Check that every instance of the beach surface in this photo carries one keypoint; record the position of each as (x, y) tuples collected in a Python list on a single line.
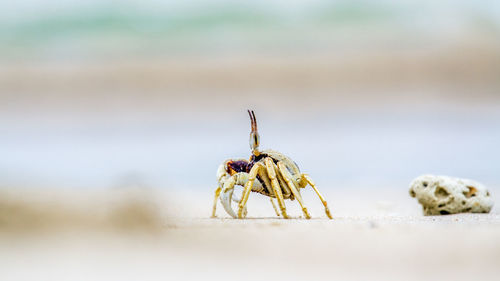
[(165, 235)]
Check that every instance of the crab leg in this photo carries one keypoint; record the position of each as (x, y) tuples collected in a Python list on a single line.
[(252, 175), (282, 182), (311, 183), (217, 193), (288, 179), (262, 176), (274, 182), (274, 206), (265, 179)]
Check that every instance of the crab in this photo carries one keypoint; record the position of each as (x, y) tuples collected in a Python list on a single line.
[(267, 172)]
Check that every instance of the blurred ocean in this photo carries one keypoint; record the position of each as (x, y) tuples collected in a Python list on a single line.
[(61, 30), (154, 93)]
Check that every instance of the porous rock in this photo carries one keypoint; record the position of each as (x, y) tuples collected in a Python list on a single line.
[(442, 195)]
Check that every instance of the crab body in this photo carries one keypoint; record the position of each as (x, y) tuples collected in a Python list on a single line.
[(267, 172), (276, 157)]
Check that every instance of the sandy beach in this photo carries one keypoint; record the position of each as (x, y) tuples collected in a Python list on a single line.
[(123, 237), (114, 116)]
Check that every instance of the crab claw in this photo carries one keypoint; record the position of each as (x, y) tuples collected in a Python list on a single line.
[(226, 197), (244, 212)]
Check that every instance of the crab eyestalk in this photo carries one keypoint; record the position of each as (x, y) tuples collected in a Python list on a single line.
[(254, 135)]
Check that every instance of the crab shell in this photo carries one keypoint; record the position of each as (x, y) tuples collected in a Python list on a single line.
[(237, 170)]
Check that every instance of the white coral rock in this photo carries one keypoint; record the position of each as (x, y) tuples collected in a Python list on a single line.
[(441, 195)]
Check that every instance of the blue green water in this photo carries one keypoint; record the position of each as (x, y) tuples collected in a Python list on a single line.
[(75, 28)]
